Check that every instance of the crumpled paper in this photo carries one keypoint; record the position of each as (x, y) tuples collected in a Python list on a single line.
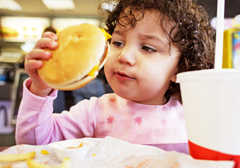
[(114, 153)]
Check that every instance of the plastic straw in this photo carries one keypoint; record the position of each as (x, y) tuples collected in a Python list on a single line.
[(219, 34)]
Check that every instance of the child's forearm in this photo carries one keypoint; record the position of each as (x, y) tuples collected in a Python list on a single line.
[(32, 120), (34, 113)]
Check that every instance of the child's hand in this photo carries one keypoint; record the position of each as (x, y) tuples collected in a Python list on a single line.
[(33, 63)]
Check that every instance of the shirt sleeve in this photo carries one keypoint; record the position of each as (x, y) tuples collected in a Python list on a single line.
[(38, 125)]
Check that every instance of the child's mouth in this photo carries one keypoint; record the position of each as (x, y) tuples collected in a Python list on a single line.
[(122, 76)]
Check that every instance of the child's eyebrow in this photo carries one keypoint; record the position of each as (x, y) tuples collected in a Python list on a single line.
[(142, 36), (151, 37), (119, 32)]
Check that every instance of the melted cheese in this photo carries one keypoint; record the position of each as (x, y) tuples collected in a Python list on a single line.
[(94, 71), (107, 36)]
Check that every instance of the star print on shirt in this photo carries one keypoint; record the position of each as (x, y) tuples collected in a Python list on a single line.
[(138, 120), (110, 119), (163, 122)]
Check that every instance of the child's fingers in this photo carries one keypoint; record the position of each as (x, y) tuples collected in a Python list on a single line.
[(46, 43), (33, 65), (50, 35), (37, 54), (33, 61)]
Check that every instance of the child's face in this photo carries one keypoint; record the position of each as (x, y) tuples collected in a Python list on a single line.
[(140, 66)]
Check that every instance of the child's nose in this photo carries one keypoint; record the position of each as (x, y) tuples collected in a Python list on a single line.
[(127, 56)]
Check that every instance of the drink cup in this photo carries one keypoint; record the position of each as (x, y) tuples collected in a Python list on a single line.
[(211, 101)]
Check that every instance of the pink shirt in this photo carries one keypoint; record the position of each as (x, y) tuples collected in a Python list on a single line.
[(109, 115)]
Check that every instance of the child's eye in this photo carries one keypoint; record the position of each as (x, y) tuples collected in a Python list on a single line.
[(117, 43), (149, 49)]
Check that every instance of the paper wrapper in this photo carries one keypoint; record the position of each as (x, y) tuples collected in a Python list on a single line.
[(113, 153)]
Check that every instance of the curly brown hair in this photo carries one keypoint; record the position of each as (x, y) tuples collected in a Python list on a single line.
[(192, 33)]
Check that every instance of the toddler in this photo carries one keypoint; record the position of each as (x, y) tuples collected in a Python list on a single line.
[(152, 41)]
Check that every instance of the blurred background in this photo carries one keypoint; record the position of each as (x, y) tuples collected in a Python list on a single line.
[(22, 23)]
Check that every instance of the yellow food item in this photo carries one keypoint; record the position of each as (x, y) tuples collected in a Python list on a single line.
[(75, 147), (93, 71), (81, 50), (44, 152), (17, 157), (34, 164), (66, 163), (107, 36)]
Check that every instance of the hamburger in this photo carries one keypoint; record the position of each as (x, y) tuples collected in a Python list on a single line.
[(81, 53)]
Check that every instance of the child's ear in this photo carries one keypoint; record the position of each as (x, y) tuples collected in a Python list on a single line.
[(174, 78)]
